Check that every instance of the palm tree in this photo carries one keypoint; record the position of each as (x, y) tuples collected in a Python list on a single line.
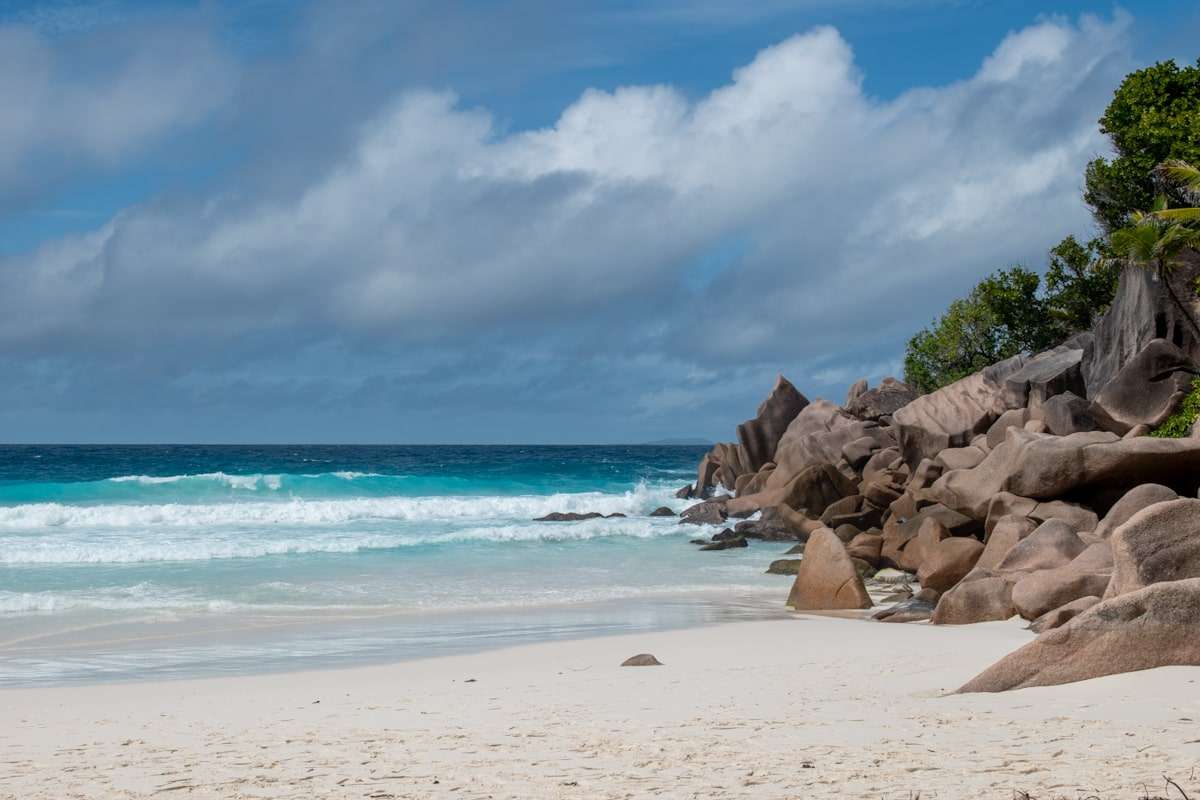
[(1187, 179), (1156, 241)]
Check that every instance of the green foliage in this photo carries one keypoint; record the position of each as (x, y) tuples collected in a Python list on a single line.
[(1179, 424), (1153, 242), (964, 340), (1008, 313), (1154, 117), (1080, 283), (1153, 122)]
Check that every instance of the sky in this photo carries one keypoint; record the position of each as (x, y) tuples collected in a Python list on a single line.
[(537, 221)]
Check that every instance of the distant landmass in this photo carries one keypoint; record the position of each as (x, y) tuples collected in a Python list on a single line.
[(693, 440)]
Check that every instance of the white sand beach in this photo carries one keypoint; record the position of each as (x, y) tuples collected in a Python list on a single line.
[(808, 707)]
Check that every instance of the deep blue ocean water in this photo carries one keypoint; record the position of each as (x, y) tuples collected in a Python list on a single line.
[(125, 562)]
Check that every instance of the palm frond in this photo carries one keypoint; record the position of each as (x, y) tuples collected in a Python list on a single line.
[(1179, 214), (1182, 174)]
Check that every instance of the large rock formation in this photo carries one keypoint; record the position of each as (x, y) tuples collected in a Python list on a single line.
[(953, 415), (759, 436), (1152, 627), (1132, 502), (1159, 543), (1141, 311), (949, 562), (1096, 468), (979, 597), (1030, 487), (827, 578), (1147, 389), (881, 402), (1044, 376), (817, 435)]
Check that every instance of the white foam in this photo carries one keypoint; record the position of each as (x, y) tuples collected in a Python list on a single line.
[(216, 544), (320, 513), (142, 596), (244, 482), (55, 533)]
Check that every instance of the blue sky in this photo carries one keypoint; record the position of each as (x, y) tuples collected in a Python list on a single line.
[(517, 222)]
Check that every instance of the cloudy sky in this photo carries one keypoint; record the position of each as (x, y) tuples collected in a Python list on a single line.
[(532, 221)]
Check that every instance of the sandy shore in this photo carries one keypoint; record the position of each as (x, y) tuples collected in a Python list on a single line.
[(799, 708)]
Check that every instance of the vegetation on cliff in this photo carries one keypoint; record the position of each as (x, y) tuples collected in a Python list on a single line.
[(1154, 117), (1179, 424), (1013, 311), (1153, 123)]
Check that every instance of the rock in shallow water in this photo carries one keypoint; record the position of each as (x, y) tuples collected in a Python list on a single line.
[(662, 511), (727, 544), (571, 516), (707, 513), (784, 566)]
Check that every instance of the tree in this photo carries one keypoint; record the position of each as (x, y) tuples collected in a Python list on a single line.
[(1154, 117), (1009, 312), (1186, 179), (960, 342), (999, 318), (1080, 285)]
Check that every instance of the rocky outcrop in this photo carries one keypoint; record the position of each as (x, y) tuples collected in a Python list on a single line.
[(1095, 468), (709, 512), (816, 437), (1044, 376), (1147, 390), (961, 457), (955, 414), (898, 533), (917, 608), (1132, 502), (1141, 311), (949, 562), (1158, 543), (1062, 615), (881, 402), (865, 546), (1031, 487), (827, 578), (1036, 594), (856, 390), (1144, 629), (1006, 533), (979, 597), (1052, 544), (758, 437), (1064, 414)]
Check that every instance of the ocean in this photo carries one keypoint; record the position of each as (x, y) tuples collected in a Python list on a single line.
[(144, 562)]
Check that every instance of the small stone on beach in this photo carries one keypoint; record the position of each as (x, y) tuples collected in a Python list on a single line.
[(641, 660)]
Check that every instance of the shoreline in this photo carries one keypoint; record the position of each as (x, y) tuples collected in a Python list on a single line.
[(398, 635), (811, 706)]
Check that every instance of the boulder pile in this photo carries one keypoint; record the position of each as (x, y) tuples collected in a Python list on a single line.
[(1030, 489)]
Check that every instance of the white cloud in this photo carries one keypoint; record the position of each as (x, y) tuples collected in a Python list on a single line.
[(860, 217), (102, 97)]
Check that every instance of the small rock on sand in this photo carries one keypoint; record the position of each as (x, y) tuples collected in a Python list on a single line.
[(641, 660)]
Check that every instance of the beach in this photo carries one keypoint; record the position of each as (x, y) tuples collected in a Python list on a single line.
[(804, 707)]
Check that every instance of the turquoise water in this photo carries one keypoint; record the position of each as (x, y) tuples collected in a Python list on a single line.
[(135, 562)]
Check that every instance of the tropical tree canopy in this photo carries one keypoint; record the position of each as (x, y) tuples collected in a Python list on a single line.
[(1011, 312), (1154, 117)]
